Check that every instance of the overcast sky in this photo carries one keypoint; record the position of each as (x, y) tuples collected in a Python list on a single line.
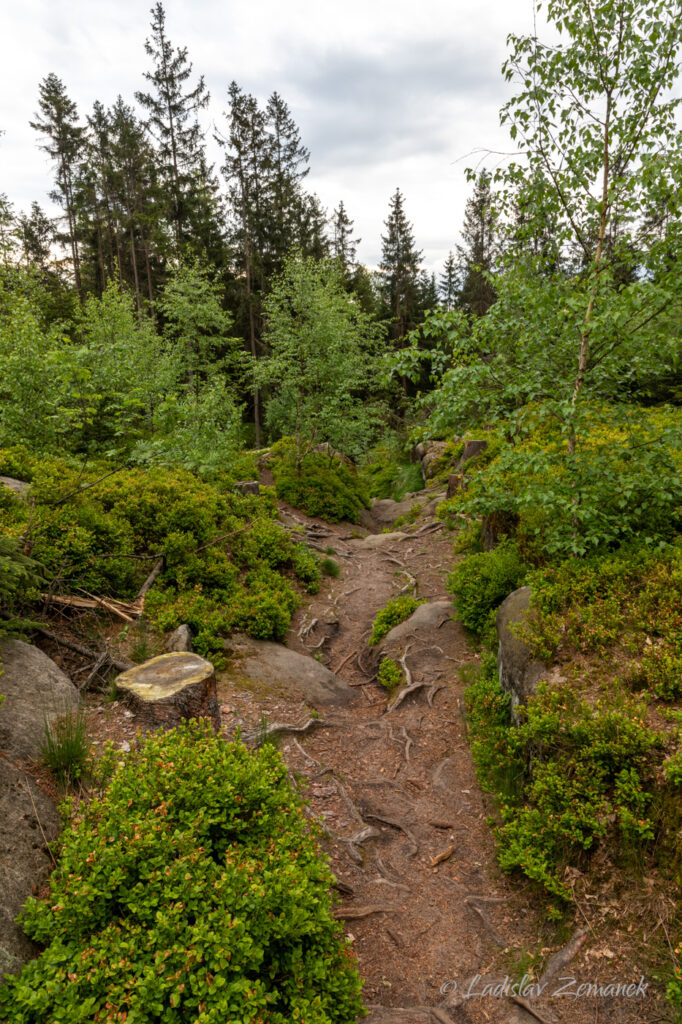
[(387, 93)]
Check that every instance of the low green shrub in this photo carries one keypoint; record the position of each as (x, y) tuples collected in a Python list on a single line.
[(193, 889), (330, 568), (390, 674), (20, 578), (66, 747), (224, 554), (395, 612), (389, 473), (569, 776), (324, 485), (481, 582)]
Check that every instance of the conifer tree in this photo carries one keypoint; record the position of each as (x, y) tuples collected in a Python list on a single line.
[(478, 254), (35, 233), (172, 121), (343, 245), (64, 142), (449, 283), (288, 212), (399, 267)]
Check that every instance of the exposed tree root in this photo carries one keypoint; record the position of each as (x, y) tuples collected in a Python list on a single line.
[(485, 920), (402, 828), (282, 728), (432, 689), (352, 913)]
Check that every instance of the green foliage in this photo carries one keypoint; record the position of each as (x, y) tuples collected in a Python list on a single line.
[(19, 581), (324, 485), (481, 582), (192, 889), (227, 563), (322, 350), (569, 776), (390, 674), (330, 568), (65, 748), (396, 611), (628, 601), (389, 473)]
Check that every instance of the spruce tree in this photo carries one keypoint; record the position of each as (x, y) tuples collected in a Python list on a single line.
[(343, 245), (291, 217), (449, 282), (64, 142), (478, 254), (399, 266), (35, 232), (172, 120)]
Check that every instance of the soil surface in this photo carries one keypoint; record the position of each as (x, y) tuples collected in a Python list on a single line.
[(440, 934)]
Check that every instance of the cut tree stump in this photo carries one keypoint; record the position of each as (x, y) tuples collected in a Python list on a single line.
[(166, 689)]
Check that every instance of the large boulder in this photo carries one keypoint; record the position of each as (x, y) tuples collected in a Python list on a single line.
[(519, 672), (385, 511), (378, 540), (268, 667), (36, 692), (28, 820), (19, 487)]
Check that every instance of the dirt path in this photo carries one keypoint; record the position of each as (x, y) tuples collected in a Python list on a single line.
[(423, 899)]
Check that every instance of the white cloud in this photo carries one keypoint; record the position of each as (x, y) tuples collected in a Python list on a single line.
[(387, 93)]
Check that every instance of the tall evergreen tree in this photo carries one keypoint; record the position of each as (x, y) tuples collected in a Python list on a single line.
[(343, 245), (172, 119), (244, 169), (478, 254), (35, 232), (449, 282), (400, 267), (288, 212), (64, 142)]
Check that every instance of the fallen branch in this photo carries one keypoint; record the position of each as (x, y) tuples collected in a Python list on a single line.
[(122, 666), (138, 603), (525, 1005), (344, 662)]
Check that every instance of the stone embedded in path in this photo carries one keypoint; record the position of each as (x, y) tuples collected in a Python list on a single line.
[(36, 691), (379, 540), (164, 690), (434, 613), (272, 668)]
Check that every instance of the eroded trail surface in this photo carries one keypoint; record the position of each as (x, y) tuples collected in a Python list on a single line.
[(423, 900)]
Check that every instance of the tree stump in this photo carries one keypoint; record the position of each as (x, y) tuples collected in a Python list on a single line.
[(166, 689)]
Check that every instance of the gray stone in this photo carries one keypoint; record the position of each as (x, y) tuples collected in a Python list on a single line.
[(179, 640), (433, 613), (471, 448), (268, 667), (247, 487), (36, 691), (19, 487), (378, 540), (519, 673), (28, 818), (386, 511), (434, 451)]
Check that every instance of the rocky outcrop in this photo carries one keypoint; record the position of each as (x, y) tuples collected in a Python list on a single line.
[(519, 672), (28, 818), (36, 691), (247, 487), (378, 540), (260, 665)]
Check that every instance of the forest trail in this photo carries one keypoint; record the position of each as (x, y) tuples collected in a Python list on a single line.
[(423, 898)]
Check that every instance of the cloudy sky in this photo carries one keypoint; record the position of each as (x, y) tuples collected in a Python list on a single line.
[(387, 93)]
